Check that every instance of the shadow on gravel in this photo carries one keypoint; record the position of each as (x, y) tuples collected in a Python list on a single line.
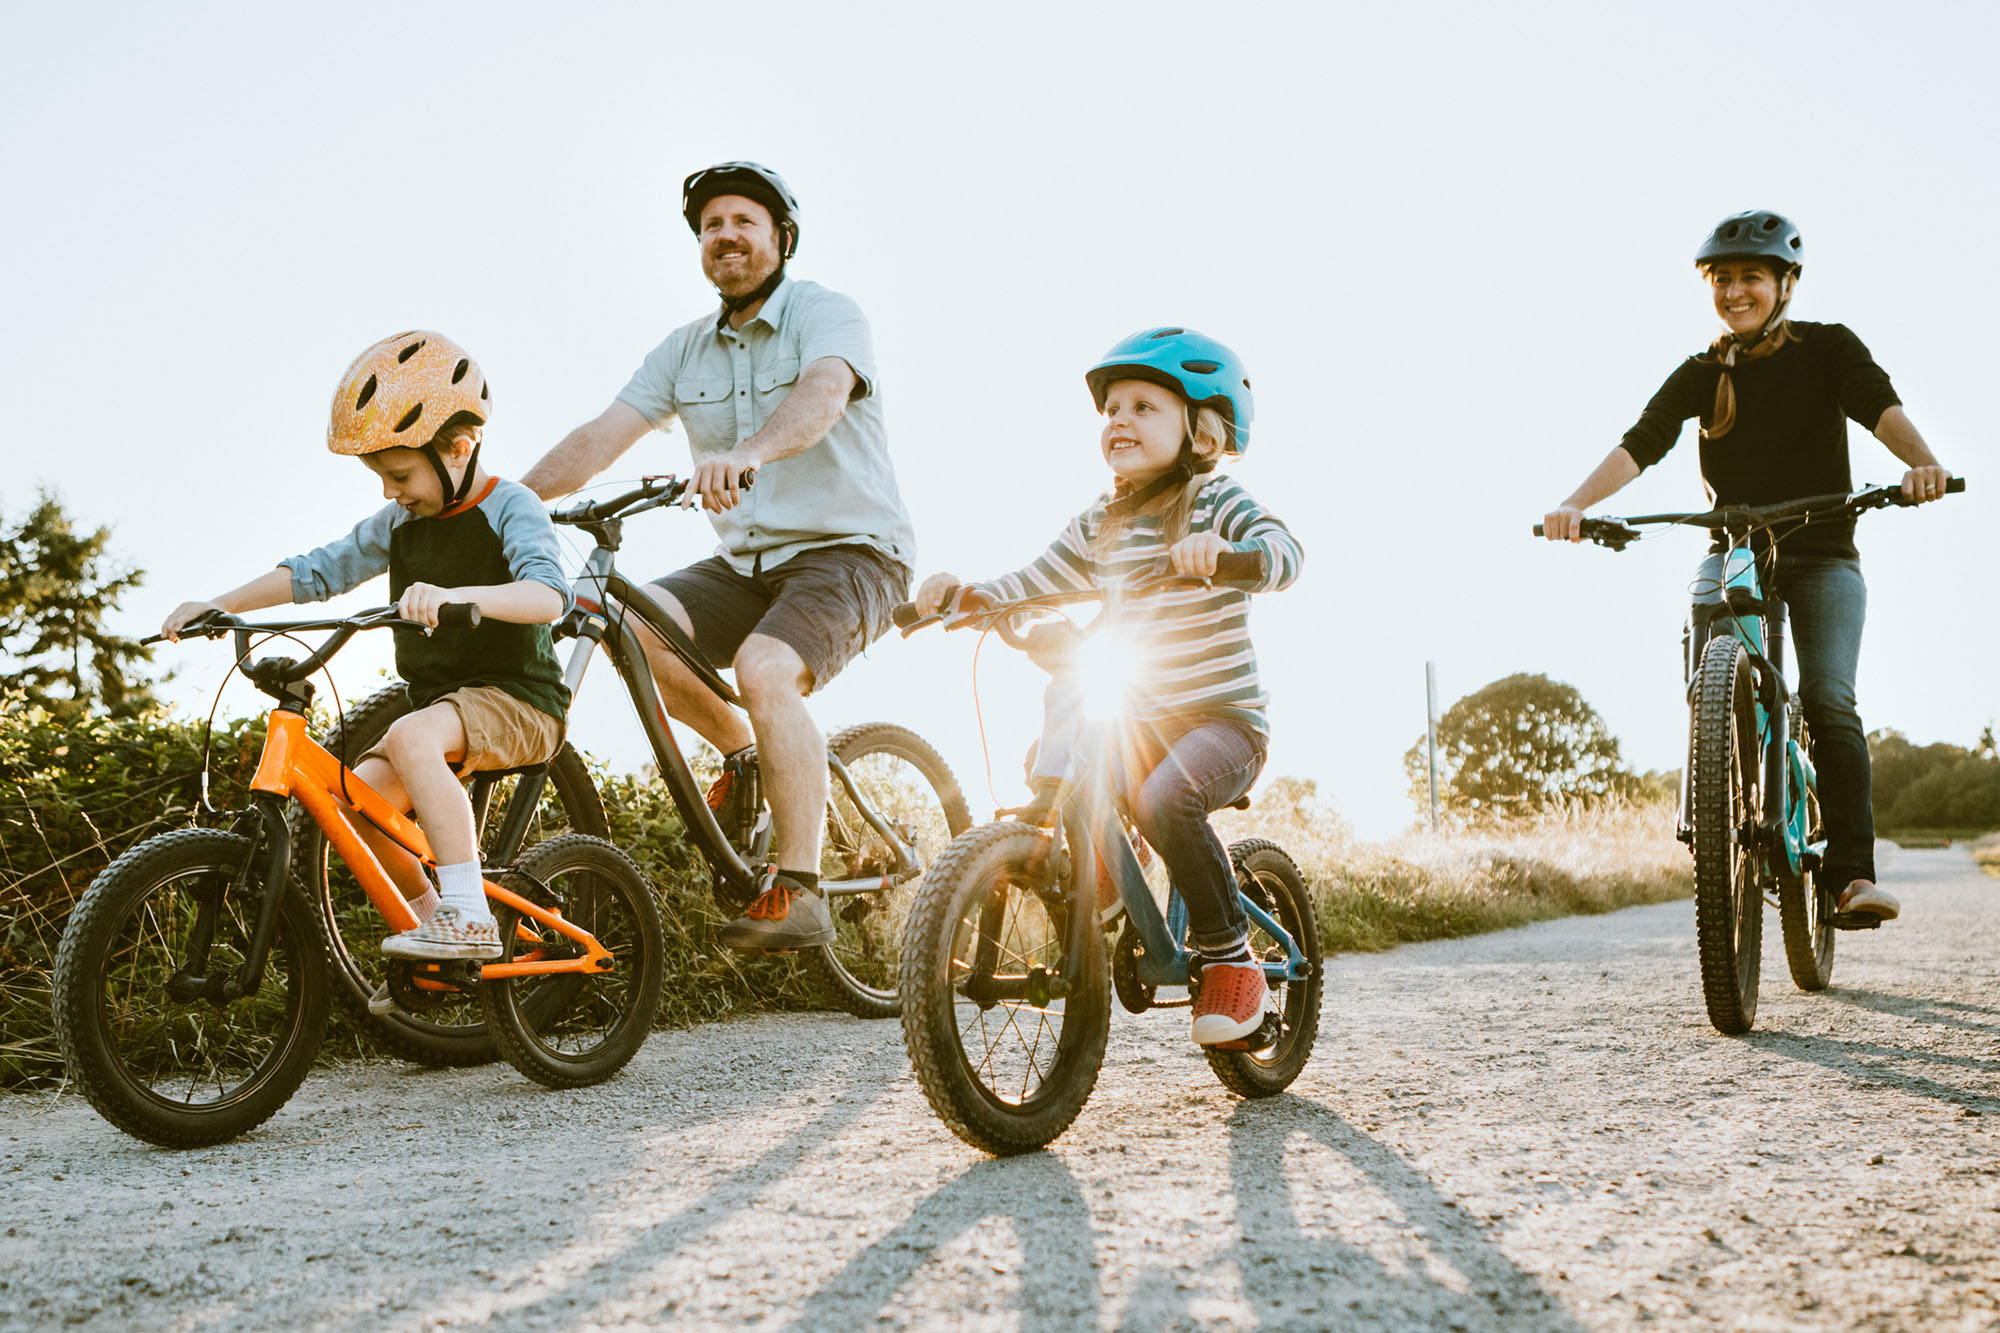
[(1285, 1248), (1945, 1013), (1884, 1066), (1058, 1282), (621, 1273)]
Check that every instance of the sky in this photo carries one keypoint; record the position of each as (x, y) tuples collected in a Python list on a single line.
[(1452, 241)]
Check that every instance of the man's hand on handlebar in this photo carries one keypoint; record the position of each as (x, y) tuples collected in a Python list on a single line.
[(720, 481), (1921, 485), (1564, 523)]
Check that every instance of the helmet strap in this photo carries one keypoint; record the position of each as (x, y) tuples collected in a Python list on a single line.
[(455, 493), (731, 305)]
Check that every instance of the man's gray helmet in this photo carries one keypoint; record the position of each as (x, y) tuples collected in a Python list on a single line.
[(1754, 235), (752, 181)]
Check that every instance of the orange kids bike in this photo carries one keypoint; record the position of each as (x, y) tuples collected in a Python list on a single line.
[(191, 987)]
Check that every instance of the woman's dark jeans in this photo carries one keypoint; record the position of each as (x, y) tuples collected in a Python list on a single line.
[(1206, 769), (1827, 602)]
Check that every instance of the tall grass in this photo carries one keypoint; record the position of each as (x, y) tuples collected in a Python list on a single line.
[(1464, 881)]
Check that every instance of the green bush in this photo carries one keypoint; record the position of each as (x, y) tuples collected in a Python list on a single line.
[(73, 797), (1939, 786)]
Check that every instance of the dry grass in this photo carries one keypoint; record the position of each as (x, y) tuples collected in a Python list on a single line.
[(1425, 886), (1986, 853)]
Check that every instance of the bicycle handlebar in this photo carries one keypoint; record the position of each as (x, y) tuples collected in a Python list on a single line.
[(1618, 533), (651, 493), (1230, 567), (214, 624)]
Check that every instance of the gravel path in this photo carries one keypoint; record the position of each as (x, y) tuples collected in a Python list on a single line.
[(1535, 1129)]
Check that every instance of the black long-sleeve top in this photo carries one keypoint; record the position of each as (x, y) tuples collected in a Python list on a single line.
[(1790, 437)]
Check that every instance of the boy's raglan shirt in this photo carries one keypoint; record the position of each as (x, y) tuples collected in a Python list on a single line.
[(502, 536)]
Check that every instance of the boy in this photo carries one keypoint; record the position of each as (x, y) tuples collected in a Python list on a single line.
[(412, 408)]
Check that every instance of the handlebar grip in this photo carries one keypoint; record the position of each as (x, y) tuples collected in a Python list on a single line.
[(905, 615), (458, 615), (1239, 566), (1954, 486), (1539, 532)]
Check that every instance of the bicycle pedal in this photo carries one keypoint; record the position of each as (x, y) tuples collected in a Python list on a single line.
[(1856, 921)]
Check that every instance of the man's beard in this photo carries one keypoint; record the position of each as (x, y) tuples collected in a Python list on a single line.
[(740, 279)]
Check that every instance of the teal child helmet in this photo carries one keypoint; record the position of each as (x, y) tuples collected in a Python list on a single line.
[(1194, 365)]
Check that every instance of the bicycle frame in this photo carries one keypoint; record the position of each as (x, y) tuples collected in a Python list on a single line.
[(606, 604), (1757, 623), (294, 766), (1094, 829)]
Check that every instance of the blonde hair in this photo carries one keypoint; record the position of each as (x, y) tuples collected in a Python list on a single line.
[(1208, 437)]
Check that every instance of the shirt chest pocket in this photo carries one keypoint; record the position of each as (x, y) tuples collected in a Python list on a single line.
[(704, 408), (773, 383)]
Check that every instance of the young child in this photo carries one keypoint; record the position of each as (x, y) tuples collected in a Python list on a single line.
[(412, 408), (1174, 402)]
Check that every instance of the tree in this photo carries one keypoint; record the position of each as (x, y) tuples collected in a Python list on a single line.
[(55, 589), (1519, 745)]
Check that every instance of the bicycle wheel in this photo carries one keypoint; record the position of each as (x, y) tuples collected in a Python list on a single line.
[(567, 1029), (1723, 768), (1271, 879), (184, 1074), (441, 1025), (912, 790), (1804, 914), (1005, 1061)]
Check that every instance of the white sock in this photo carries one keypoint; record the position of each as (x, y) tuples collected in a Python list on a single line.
[(424, 905), (461, 886)]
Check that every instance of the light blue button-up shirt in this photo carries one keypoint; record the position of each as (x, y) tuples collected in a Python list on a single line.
[(723, 384)]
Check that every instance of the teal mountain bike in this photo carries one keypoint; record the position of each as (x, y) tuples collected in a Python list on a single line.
[(1749, 809), (1006, 979)]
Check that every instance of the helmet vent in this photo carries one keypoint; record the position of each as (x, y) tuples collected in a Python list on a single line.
[(410, 351), (1167, 333), (410, 417), (1201, 367), (458, 371), (367, 392), (482, 389)]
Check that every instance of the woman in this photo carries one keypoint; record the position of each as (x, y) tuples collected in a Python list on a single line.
[(1773, 395)]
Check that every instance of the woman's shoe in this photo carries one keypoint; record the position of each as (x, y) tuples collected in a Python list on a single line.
[(1867, 899)]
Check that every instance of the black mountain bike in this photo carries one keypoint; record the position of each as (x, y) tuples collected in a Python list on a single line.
[(893, 806)]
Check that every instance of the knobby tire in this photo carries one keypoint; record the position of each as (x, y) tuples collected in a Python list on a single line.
[(1724, 763)]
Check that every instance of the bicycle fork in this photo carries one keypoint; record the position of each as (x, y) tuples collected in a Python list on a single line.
[(264, 825)]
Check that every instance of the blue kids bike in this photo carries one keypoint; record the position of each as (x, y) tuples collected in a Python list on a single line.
[(1749, 801), (1006, 984)]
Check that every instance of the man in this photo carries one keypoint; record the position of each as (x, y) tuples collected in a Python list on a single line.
[(780, 383)]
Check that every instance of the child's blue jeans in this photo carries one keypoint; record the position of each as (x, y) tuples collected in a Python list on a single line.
[(1204, 769)]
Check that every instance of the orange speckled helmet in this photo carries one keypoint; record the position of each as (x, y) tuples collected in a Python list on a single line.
[(400, 393)]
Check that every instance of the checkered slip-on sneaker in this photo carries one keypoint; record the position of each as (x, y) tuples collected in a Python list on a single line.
[(448, 934)]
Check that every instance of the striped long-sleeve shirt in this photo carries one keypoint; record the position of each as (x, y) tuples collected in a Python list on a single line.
[(1192, 644)]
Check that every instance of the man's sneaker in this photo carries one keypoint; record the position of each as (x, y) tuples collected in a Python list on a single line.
[(382, 1004), (733, 794), (1865, 899), (448, 934), (786, 915), (1231, 1004)]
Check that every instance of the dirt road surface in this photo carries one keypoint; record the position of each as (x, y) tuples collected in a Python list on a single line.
[(1535, 1129)]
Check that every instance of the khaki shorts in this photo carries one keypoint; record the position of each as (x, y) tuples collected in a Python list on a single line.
[(500, 731)]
